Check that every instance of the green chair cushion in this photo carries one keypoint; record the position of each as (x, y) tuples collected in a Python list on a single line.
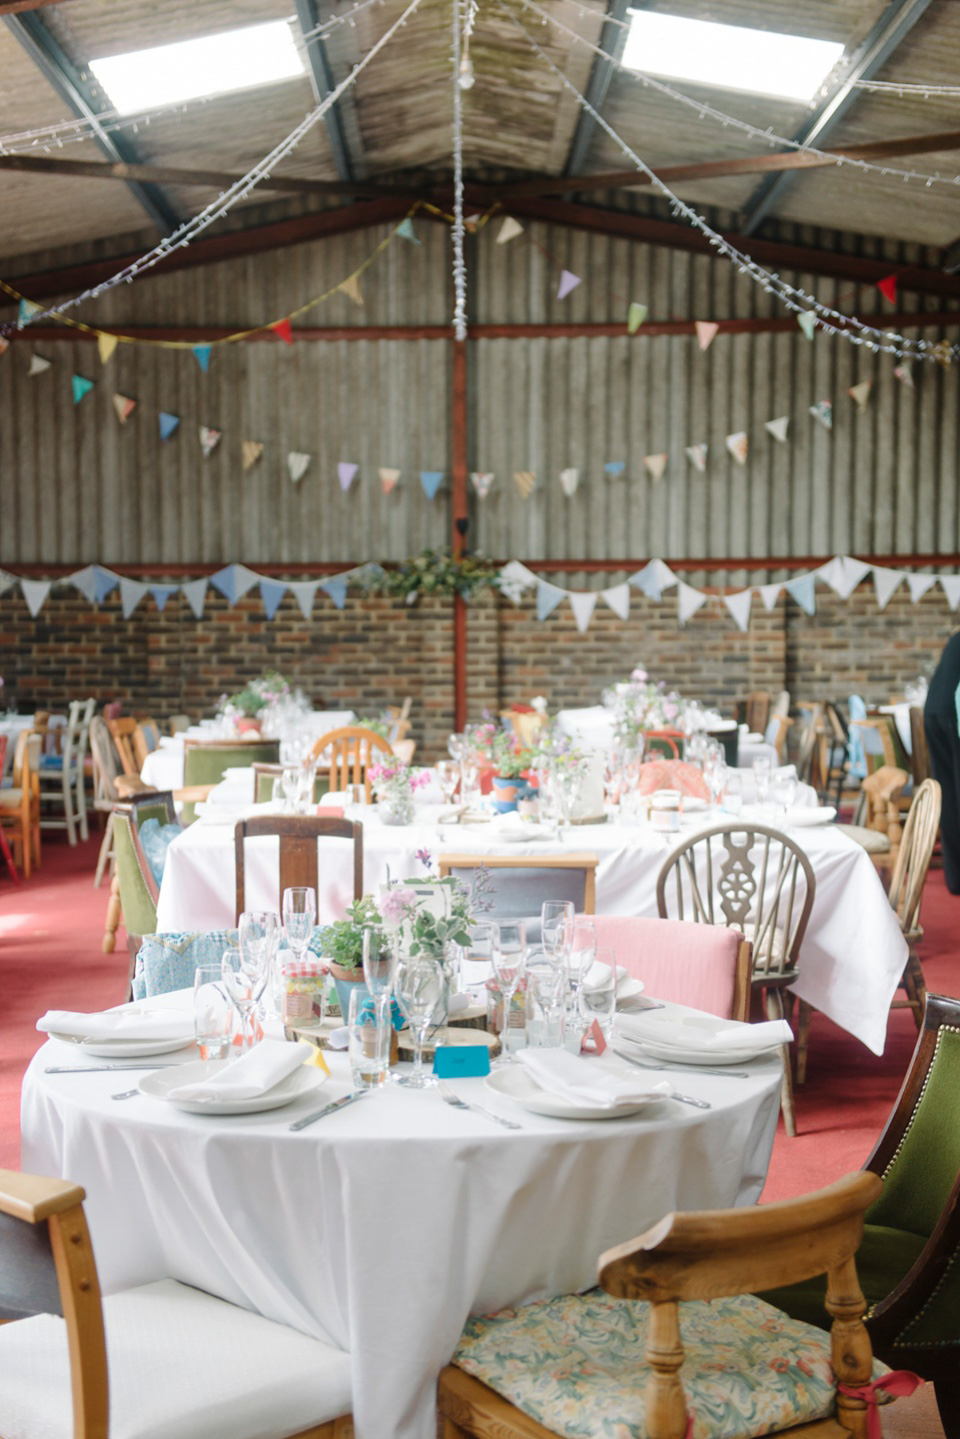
[(884, 1257)]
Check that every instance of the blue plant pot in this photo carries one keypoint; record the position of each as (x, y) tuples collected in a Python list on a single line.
[(346, 987), (507, 792)]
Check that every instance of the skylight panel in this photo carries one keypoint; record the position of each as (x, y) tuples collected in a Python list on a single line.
[(189, 69), (729, 57)]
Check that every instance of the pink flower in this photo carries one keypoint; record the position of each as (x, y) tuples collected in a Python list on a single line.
[(417, 781), (669, 710), (639, 675), (397, 901)]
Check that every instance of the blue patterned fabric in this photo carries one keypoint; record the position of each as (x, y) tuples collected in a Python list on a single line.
[(169, 961), (155, 840), (857, 710)]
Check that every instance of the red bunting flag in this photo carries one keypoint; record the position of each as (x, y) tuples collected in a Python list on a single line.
[(888, 287), (284, 328)]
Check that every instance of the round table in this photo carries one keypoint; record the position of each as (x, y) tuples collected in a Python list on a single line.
[(385, 1225), (163, 767)]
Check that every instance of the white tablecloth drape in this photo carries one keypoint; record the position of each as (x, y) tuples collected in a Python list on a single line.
[(383, 1227), (853, 953), (163, 768)]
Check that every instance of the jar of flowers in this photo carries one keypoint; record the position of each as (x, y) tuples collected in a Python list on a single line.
[(394, 785), (510, 762)]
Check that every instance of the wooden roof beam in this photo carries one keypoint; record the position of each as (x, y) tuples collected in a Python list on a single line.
[(173, 175)]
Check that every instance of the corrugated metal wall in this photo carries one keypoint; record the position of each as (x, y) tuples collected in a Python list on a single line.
[(75, 486)]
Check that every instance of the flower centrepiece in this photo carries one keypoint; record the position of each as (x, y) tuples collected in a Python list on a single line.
[(394, 785)]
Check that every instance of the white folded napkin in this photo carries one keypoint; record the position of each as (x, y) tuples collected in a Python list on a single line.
[(145, 1024), (704, 1034), (513, 826), (586, 1081), (598, 974), (255, 1073)]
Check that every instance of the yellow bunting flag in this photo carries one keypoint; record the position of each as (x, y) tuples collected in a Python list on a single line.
[(509, 230), (525, 481), (656, 464), (351, 288), (861, 393), (636, 314), (106, 344), (252, 450)]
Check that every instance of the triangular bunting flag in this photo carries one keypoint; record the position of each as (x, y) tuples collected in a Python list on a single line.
[(569, 481), (919, 584), (284, 328), (406, 231), (636, 314), (26, 312), (250, 452), (233, 582), (431, 480), (769, 594), (853, 572), (336, 588), (514, 579), (831, 574), (689, 601), (706, 332), (202, 353), (656, 464), (568, 281), (888, 288), (618, 599), (85, 581), (351, 288), (885, 582), (388, 479), (38, 365), (7, 581), (807, 321), (304, 592), (209, 440), (738, 445), (614, 468), (861, 393), (739, 607), (583, 603), (4, 344), (124, 407), (195, 592), (297, 463), (482, 481), (81, 387), (509, 230), (35, 593), (950, 584), (105, 582), (801, 590), (131, 593), (161, 593), (904, 373), (778, 427), (168, 423), (823, 411), (653, 579), (106, 344), (525, 481), (272, 593), (346, 474), (697, 455), (548, 597)]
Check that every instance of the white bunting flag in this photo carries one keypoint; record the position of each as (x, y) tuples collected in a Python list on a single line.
[(618, 599), (548, 597), (885, 582), (85, 581), (832, 574), (861, 393), (304, 592), (569, 481), (823, 411), (388, 479), (769, 594), (514, 579), (209, 440), (739, 607), (904, 373), (697, 455), (706, 333), (297, 463), (656, 464), (583, 604), (919, 584), (482, 480), (853, 572), (509, 230), (778, 428), (35, 593), (131, 593), (689, 601), (950, 584), (38, 365), (195, 593), (653, 579), (738, 445)]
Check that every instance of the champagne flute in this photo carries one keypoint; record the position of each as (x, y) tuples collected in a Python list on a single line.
[(448, 777), (290, 784), (556, 928), (299, 916), (244, 991), (379, 969), (509, 961), (259, 938), (419, 988)]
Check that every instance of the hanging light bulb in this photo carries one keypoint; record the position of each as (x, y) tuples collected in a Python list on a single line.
[(466, 78)]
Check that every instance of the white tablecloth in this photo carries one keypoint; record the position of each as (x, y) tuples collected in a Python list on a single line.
[(901, 718), (853, 952), (382, 1228), (163, 767)]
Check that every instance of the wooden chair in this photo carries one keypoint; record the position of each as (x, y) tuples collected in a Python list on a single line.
[(298, 836), (685, 1258), (527, 725), (145, 738), (20, 803), (906, 886), (668, 742), (808, 751), (91, 1363), (121, 732), (347, 752), (518, 886), (877, 822), (265, 786), (776, 734), (176, 724), (134, 891), (110, 785), (756, 880), (919, 753), (398, 718), (62, 774), (5, 849), (756, 711), (705, 966), (205, 761)]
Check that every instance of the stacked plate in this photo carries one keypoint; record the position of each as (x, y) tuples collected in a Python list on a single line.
[(701, 1040)]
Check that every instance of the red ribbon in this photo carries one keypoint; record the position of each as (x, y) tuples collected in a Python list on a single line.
[(899, 1382)]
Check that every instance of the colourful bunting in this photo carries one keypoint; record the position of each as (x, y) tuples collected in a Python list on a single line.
[(271, 593), (778, 428), (351, 288), (161, 593), (209, 440), (689, 601), (525, 481), (482, 481), (569, 481), (614, 468), (431, 480), (124, 407), (823, 412), (233, 581), (388, 479), (738, 444), (297, 463), (38, 365), (509, 230), (106, 344), (81, 387), (706, 333), (168, 423), (406, 231), (697, 455), (568, 282), (888, 288), (346, 474), (656, 464), (807, 321), (904, 373), (202, 353), (861, 393), (250, 452), (636, 314), (284, 328), (26, 312)]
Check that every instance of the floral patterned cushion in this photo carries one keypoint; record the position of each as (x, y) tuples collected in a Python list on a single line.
[(576, 1365), (168, 961)]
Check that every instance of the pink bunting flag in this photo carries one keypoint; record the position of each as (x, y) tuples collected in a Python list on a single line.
[(568, 281), (706, 332), (346, 474), (388, 479), (738, 444), (482, 480), (904, 373), (124, 407)]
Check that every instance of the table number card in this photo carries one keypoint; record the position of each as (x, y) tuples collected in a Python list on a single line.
[(461, 1061)]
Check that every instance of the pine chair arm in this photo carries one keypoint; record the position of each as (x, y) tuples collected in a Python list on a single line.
[(33, 1197)]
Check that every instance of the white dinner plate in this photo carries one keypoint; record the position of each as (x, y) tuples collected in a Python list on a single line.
[(520, 1086), (690, 804), (159, 1084), (805, 817), (693, 1053), (125, 1048), (628, 988)]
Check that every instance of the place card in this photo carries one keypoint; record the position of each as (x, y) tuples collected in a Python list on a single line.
[(461, 1061)]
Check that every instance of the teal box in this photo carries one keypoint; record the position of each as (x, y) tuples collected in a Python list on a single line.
[(461, 1061)]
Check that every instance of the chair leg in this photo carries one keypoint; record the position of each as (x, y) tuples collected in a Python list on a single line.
[(803, 1040), (5, 851), (947, 1393), (106, 851), (68, 814), (109, 943), (775, 1011), (81, 803), (916, 988)]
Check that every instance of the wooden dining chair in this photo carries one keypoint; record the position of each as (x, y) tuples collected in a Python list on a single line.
[(162, 1355), (62, 777), (877, 823), (667, 742), (705, 966), (755, 879), (298, 835), (20, 803), (702, 1354), (919, 752), (5, 849), (907, 884), (134, 889), (756, 711), (121, 732), (347, 752), (206, 761), (776, 734), (145, 739), (517, 885)]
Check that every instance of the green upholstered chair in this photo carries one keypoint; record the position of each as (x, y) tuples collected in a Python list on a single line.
[(134, 891), (909, 1261), (204, 763), (666, 742)]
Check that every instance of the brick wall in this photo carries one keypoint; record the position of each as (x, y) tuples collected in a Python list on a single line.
[(376, 650)]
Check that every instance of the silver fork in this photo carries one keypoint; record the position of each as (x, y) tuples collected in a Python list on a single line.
[(126, 1094), (448, 1097)]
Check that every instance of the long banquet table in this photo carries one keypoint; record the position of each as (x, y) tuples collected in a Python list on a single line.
[(163, 767), (592, 728), (853, 953), (383, 1227)]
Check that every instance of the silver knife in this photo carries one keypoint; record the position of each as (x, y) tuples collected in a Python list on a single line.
[(101, 1068), (327, 1109), (683, 1068)]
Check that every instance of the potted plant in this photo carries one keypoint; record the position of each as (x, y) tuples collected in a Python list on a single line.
[(394, 784), (510, 761), (343, 947), (246, 707)]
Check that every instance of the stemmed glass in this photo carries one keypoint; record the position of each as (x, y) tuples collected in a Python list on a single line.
[(259, 938), (785, 790), (419, 987), (299, 916), (556, 928), (509, 961), (761, 778), (244, 989), (448, 777), (379, 967), (290, 784)]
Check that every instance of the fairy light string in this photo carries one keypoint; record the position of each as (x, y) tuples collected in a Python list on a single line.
[(459, 265)]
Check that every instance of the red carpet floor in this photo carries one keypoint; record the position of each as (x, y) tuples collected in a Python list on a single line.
[(50, 932)]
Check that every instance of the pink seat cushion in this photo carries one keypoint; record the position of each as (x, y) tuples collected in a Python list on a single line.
[(672, 774), (677, 960)]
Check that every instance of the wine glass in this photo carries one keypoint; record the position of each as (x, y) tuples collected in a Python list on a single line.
[(761, 778), (509, 960), (785, 789), (290, 784), (259, 937), (299, 917), (598, 1000), (419, 988), (448, 777), (379, 968), (244, 990), (556, 927)]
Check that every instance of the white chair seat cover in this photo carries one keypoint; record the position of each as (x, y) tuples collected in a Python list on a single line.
[(182, 1365), (10, 798)]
